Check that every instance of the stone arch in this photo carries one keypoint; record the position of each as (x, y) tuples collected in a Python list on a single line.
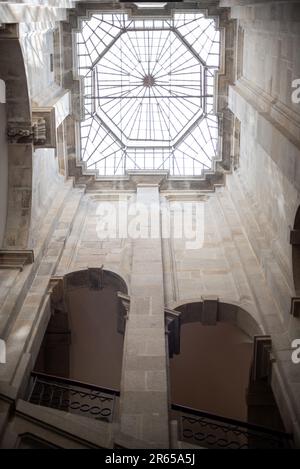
[(255, 365), (210, 311), (95, 278), (18, 130), (85, 309)]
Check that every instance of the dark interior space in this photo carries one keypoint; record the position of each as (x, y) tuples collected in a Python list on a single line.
[(82, 342)]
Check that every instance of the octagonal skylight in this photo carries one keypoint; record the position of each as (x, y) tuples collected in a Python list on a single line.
[(148, 93)]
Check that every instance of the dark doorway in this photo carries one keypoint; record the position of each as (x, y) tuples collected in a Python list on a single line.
[(82, 341)]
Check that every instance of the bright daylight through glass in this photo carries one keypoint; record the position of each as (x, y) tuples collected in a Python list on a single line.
[(148, 90)]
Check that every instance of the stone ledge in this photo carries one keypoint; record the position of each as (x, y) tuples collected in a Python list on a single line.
[(15, 259), (87, 431)]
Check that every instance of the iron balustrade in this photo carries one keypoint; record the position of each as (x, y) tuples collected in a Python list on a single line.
[(213, 431), (196, 427), (73, 396)]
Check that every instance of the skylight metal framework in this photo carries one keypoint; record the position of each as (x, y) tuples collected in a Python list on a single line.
[(148, 93)]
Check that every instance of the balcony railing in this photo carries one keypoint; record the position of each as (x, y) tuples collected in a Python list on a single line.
[(73, 396), (213, 431)]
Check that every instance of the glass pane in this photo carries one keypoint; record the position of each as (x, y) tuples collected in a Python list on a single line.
[(148, 93)]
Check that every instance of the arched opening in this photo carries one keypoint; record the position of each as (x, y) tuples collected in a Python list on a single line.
[(3, 161), (221, 379), (81, 353), (295, 241), (217, 375)]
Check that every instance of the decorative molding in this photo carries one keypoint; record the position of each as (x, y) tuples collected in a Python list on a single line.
[(192, 185), (262, 360), (236, 143), (172, 323), (56, 289), (147, 178), (44, 127), (15, 259), (172, 326), (123, 312), (239, 52), (185, 196), (19, 133), (42, 132), (39, 131)]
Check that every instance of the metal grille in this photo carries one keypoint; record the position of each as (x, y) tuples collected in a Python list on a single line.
[(73, 396), (212, 431)]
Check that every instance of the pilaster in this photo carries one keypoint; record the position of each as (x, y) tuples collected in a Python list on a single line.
[(144, 390)]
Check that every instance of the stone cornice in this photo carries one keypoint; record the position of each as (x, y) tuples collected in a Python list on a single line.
[(15, 259)]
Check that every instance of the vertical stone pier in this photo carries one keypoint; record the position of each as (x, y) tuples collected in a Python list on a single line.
[(144, 390)]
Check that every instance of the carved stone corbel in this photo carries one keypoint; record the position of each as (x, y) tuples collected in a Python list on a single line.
[(56, 289), (39, 131), (44, 127), (123, 311), (36, 134), (19, 133)]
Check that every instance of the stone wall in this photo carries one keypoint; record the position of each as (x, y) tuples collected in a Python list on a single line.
[(265, 188), (270, 122), (47, 182)]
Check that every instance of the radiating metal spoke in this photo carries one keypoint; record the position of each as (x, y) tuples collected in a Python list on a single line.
[(148, 89)]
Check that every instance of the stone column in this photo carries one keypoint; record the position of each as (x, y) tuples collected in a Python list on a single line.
[(144, 390)]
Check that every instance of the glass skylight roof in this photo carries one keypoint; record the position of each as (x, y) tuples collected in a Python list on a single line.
[(148, 93)]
